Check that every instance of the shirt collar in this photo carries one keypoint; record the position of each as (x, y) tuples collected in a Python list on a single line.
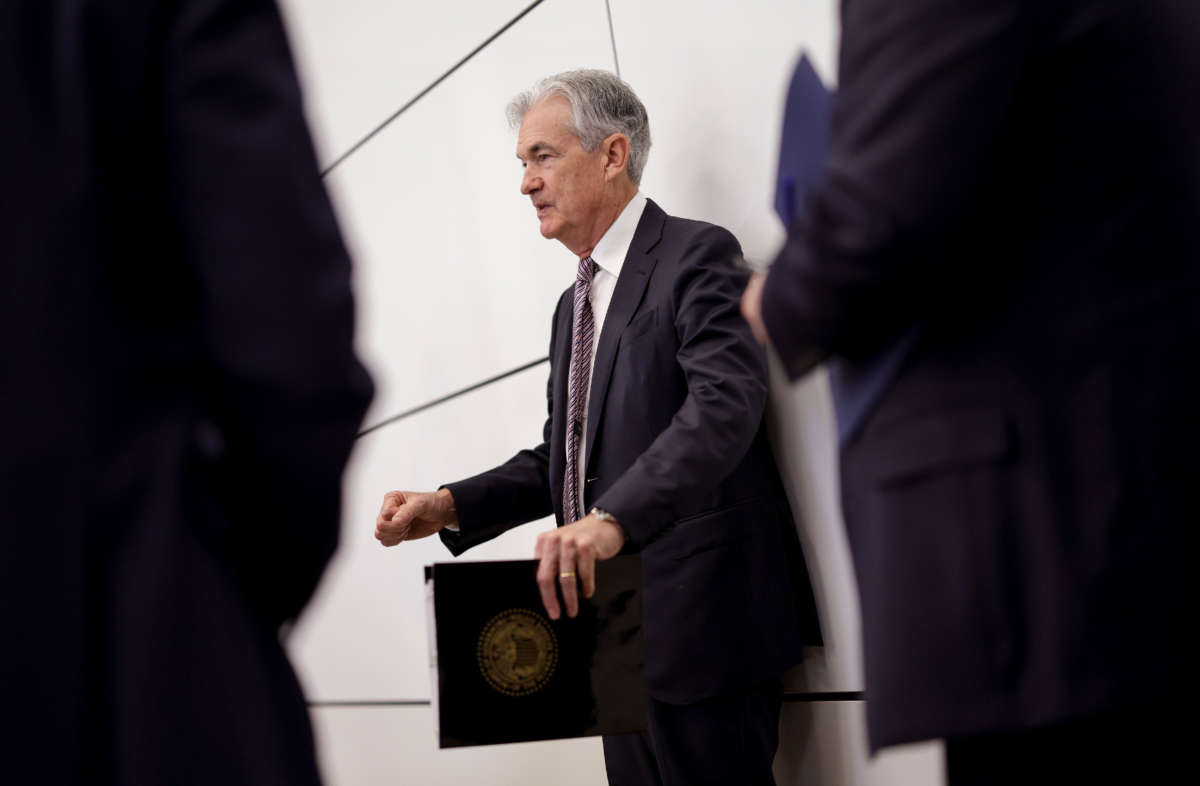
[(610, 252)]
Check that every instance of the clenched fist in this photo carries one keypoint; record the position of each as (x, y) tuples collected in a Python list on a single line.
[(410, 515)]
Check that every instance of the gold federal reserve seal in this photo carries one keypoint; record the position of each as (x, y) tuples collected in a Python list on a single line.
[(517, 652)]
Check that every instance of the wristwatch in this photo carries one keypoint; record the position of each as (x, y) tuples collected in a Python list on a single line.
[(603, 515)]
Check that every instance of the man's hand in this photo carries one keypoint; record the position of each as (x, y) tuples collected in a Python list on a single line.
[(409, 515), (568, 557), (752, 307)]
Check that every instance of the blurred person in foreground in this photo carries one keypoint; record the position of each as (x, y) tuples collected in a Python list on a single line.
[(179, 393), (654, 444), (1010, 205)]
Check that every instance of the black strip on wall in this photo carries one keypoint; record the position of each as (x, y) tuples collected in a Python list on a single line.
[(352, 703), (845, 695), (788, 697)]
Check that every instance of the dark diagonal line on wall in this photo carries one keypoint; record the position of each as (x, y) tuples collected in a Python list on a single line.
[(450, 396), (358, 145), (612, 36)]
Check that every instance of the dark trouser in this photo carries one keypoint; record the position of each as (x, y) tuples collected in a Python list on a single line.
[(723, 740), (1133, 746)]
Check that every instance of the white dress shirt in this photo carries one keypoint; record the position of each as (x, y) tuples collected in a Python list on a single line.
[(609, 256)]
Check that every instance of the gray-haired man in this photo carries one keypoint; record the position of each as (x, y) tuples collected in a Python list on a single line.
[(654, 444)]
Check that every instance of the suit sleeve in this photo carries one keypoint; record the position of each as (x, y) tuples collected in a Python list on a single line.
[(925, 88), (726, 377), (514, 493), (283, 386)]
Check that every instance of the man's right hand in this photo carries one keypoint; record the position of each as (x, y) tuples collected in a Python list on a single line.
[(409, 515)]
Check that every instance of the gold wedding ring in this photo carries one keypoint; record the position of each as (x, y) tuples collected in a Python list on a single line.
[(570, 574)]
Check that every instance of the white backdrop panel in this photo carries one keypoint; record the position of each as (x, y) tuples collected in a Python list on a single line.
[(396, 747), (805, 441), (363, 637), (713, 76), (826, 743)]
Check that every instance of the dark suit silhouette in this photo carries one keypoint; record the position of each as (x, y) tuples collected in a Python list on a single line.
[(179, 392), (678, 454), (1021, 180)]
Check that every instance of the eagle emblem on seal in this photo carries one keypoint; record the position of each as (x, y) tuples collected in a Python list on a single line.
[(517, 652)]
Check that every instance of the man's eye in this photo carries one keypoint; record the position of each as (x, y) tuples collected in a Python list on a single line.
[(543, 158)]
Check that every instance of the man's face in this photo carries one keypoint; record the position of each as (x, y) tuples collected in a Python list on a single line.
[(565, 183)]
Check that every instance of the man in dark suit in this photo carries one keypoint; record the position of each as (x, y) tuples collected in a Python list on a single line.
[(654, 443), (1019, 183), (179, 393)]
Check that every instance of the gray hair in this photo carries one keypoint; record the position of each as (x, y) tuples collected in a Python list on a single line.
[(601, 105)]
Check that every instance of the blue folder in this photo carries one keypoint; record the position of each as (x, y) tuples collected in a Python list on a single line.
[(803, 153), (804, 146)]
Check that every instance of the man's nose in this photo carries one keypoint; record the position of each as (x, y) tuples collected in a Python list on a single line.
[(530, 183)]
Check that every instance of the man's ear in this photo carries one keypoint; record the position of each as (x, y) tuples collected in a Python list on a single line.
[(616, 155)]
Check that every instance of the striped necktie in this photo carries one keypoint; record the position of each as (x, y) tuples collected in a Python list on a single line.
[(581, 371)]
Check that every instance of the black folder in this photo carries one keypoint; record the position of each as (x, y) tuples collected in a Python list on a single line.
[(505, 672)]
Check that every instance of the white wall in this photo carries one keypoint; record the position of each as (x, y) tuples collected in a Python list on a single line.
[(455, 285)]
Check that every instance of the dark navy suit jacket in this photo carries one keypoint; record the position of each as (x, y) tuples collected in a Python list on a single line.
[(678, 453), (178, 393), (1022, 180)]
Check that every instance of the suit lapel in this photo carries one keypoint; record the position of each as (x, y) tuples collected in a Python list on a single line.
[(627, 296), (560, 360)]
